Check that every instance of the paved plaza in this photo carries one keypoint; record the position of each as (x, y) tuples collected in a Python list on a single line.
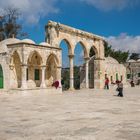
[(73, 115)]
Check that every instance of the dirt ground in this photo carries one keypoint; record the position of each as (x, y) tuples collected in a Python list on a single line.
[(73, 115)]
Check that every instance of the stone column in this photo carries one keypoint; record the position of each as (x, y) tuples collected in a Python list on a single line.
[(87, 71), (24, 76), (99, 73), (43, 85), (71, 57)]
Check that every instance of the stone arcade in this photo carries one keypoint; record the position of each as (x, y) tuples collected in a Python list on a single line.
[(25, 65)]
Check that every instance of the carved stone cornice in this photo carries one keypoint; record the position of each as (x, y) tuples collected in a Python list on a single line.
[(74, 31)]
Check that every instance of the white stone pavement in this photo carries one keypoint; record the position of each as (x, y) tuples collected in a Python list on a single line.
[(73, 115)]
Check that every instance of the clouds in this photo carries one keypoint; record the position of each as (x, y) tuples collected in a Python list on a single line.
[(31, 10), (125, 42), (107, 5)]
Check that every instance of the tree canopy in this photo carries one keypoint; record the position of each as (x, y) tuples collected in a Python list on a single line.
[(9, 26), (119, 55)]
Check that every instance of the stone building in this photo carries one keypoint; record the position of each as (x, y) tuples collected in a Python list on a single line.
[(25, 65), (113, 70), (133, 71), (56, 33)]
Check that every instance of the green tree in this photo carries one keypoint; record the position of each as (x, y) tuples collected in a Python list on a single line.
[(119, 55), (108, 49), (65, 78), (9, 26), (76, 77)]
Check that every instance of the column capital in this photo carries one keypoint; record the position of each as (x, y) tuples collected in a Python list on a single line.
[(43, 66), (98, 58), (24, 65), (59, 67), (86, 58), (71, 55)]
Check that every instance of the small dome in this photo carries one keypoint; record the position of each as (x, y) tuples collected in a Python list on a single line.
[(28, 41), (44, 44), (4, 43), (131, 60), (10, 41), (111, 60)]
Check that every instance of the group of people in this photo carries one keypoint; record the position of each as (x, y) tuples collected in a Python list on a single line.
[(119, 86)]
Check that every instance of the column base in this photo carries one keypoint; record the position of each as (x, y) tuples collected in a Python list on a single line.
[(24, 87), (71, 89), (87, 87), (43, 85)]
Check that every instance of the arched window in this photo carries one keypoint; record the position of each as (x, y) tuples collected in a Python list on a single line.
[(117, 77), (51, 70)]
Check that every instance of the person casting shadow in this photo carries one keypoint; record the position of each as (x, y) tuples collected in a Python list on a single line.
[(120, 89)]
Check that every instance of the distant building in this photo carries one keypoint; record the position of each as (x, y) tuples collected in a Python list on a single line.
[(113, 70), (133, 71)]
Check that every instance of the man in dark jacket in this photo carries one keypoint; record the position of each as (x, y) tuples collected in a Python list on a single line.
[(120, 89)]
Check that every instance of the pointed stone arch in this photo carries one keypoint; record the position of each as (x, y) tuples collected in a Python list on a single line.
[(84, 46), (34, 70), (95, 50), (51, 70), (15, 51), (69, 45), (31, 55), (52, 55), (15, 70)]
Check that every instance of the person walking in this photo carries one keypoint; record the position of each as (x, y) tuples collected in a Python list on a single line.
[(120, 89)]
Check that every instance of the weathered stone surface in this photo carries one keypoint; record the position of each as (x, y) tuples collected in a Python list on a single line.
[(20, 60), (23, 60), (76, 115)]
